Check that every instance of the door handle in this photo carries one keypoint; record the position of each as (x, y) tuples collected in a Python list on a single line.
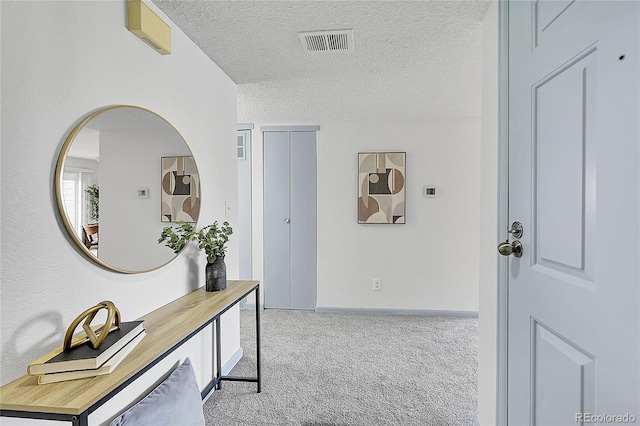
[(287, 220), (506, 248)]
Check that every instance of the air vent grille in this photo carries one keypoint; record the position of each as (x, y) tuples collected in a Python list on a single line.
[(327, 41), (150, 43)]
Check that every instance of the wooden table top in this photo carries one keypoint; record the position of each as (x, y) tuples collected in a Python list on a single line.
[(165, 327)]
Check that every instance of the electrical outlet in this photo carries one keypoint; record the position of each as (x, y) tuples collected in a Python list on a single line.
[(377, 284)]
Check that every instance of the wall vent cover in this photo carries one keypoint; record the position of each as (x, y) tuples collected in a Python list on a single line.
[(327, 41), (149, 27)]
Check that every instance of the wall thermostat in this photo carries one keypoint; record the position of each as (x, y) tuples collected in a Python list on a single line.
[(429, 191), (143, 192)]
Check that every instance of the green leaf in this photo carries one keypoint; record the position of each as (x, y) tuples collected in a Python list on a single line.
[(211, 238)]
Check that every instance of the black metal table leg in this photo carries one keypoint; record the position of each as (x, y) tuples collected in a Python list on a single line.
[(258, 356), (218, 355), (258, 379), (81, 420)]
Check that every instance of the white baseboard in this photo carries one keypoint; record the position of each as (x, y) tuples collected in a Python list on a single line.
[(385, 311), (397, 311), (226, 369), (252, 306), (235, 358)]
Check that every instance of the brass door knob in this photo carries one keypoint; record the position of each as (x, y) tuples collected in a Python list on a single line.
[(507, 249)]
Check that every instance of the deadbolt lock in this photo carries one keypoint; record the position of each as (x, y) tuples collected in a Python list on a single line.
[(516, 230)]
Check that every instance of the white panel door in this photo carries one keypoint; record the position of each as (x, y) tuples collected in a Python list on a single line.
[(574, 185), (277, 232), (290, 249), (303, 220)]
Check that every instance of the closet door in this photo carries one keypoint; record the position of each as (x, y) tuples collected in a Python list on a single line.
[(290, 219), (277, 251), (303, 210)]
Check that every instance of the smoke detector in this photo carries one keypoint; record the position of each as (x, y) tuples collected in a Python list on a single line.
[(327, 41)]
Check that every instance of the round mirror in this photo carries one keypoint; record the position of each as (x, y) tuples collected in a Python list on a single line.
[(124, 173)]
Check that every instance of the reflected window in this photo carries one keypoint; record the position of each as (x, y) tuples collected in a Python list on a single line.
[(75, 182)]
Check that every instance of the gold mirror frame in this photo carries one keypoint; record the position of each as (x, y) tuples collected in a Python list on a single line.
[(59, 177)]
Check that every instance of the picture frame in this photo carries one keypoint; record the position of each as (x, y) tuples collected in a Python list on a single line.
[(381, 187), (180, 189)]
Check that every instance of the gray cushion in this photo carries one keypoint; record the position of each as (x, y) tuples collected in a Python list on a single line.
[(176, 401)]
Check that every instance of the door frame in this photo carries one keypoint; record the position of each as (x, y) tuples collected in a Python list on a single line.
[(247, 129), (503, 213)]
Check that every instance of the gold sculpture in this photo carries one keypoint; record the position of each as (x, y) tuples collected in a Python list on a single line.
[(112, 324)]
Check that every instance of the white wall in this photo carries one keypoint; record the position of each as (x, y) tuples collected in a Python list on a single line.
[(126, 166), (61, 60), (488, 224), (430, 263)]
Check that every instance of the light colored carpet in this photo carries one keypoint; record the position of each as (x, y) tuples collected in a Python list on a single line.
[(322, 369)]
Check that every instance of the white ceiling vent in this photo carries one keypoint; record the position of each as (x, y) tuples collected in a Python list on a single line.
[(327, 41)]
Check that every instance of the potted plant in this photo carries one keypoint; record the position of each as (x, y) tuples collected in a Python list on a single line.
[(176, 239), (94, 196), (212, 239)]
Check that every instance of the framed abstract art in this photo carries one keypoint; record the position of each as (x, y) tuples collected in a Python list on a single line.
[(381, 187), (180, 189)]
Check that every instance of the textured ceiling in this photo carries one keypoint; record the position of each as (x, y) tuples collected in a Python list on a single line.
[(413, 60)]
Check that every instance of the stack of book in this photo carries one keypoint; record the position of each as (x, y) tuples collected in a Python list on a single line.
[(85, 361)]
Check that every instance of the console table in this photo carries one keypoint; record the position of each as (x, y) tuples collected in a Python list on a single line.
[(167, 328)]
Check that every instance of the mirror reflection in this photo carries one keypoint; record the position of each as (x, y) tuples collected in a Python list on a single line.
[(123, 173)]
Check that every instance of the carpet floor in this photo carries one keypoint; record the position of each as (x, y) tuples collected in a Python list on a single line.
[(322, 369)]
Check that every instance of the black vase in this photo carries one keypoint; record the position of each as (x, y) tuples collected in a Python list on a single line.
[(216, 275)]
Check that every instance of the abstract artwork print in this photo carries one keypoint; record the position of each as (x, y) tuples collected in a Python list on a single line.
[(381, 187), (180, 189)]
